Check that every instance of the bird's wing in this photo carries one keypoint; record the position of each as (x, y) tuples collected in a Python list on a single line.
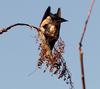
[(47, 13)]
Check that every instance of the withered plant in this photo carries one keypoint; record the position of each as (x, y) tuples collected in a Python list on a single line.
[(81, 45), (52, 59)]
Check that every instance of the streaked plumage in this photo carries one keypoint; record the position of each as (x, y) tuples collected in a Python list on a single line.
[(50, 26)]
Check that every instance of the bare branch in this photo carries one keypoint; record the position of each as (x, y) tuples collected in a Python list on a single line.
[(80, 47), (86, 22), (17, 24)]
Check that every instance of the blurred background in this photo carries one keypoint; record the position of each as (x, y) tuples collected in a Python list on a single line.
[(19, 50)]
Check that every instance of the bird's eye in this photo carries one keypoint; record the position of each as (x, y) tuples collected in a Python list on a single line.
[(45, 26)]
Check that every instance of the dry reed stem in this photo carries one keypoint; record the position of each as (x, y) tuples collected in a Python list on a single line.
[(80, 47)]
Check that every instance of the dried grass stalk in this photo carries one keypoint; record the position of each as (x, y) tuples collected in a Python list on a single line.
[(53, 59)]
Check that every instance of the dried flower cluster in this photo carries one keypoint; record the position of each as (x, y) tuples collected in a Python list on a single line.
[(53, 59)]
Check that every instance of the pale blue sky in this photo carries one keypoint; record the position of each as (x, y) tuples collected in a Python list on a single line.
[(19, 51)]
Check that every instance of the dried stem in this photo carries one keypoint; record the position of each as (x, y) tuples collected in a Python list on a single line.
[(80, 47), (82, 69), (17, 24), (86, 22)]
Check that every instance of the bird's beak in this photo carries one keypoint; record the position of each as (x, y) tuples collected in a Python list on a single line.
[(63, 20)]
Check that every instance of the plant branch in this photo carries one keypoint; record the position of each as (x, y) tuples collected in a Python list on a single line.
[(86, 22), (80, 46), (17, 24)]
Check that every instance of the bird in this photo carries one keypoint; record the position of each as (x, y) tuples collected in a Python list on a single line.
[(50, 26)]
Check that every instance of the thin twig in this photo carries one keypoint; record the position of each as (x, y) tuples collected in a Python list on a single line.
[(86, 22), (80, 47), (17, 24)]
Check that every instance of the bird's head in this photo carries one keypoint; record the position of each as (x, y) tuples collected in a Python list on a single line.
[(57, 19), (54, 18)]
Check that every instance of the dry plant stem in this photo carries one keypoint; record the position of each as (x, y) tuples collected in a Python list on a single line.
[(86, 22), (80, 47), (14, 25), (82, 69)]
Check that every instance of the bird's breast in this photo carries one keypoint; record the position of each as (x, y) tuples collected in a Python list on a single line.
[(52, 30)]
